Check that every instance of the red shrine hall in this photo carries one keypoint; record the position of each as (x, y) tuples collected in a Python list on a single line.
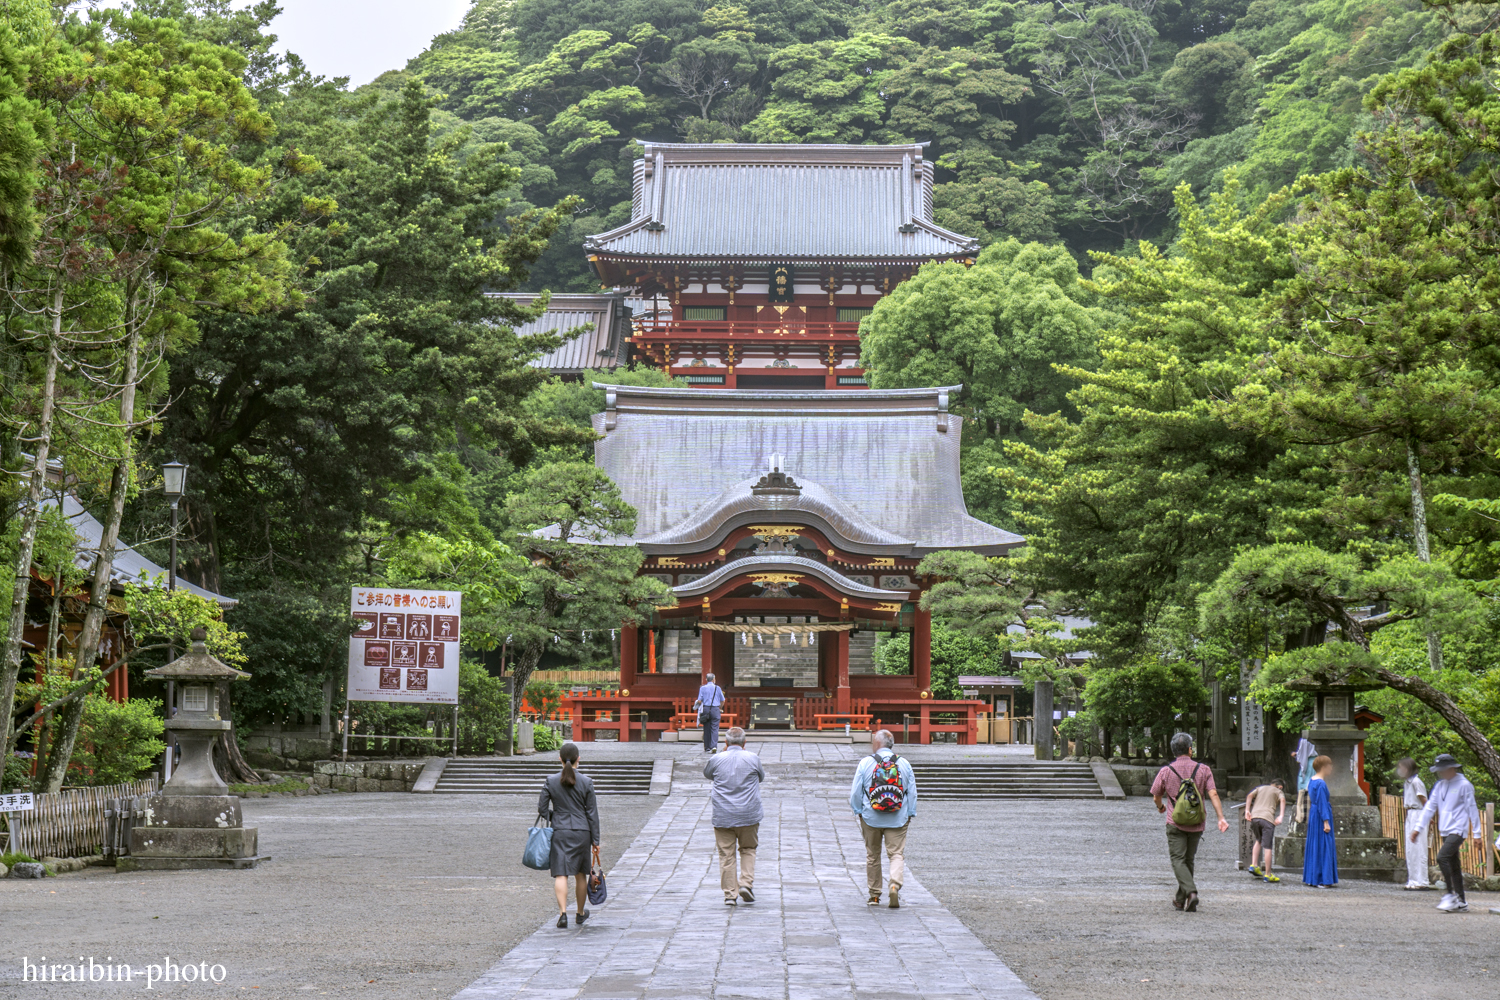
[(789, 526), (750, 266)]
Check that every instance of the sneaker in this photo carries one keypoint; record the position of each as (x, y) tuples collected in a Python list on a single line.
[(730, 901), (874, 899), (1176, 903), (895, 895), (1447, 903), (746, 894), (1255, 871), (1268, 877), (1459, 905), (562, 920)]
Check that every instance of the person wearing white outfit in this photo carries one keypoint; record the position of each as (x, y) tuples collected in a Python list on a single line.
[(1413, 798), (1452, 802)]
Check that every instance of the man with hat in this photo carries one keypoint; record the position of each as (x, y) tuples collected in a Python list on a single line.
[(1452, 801)]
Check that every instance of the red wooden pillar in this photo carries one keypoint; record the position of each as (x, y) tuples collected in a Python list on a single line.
[(708, 665), (921, 650), (630, 654), (841, 670)]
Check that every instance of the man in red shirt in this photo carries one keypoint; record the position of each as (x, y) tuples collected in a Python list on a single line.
[(1182, 841)]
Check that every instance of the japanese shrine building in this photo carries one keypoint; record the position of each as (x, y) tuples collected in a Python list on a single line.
[(789, 526), (750, 266)]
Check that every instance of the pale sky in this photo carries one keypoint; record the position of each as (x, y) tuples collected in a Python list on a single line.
[(361, 39)]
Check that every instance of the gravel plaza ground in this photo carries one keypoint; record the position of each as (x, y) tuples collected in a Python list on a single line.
[(424, 895)]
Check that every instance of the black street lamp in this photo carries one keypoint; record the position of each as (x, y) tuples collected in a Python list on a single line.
[(173, 482)]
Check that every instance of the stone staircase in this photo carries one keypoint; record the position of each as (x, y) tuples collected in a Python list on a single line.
[(1021, 779), (510, 776)]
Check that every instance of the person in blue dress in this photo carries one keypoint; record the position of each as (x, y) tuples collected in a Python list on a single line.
[(1320, 867)]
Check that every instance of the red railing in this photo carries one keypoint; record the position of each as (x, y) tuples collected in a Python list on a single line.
[(778, 327)]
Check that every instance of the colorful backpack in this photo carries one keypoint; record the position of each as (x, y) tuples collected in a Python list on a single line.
[(886, 793)]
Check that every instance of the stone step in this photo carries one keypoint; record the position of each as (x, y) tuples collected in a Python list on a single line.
[(507, 776)]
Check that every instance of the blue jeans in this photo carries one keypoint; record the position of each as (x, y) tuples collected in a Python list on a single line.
[(710, 718)]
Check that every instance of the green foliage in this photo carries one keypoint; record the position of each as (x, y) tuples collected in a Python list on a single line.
[(481, 697), (293, 642), (119, 740), (997, 328), (12, 858), (955, 653), (545, 738), (1144, 693), (16, 775), (565, 517), (544, 696)]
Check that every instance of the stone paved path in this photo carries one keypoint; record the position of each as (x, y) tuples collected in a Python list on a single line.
[(666, 934)]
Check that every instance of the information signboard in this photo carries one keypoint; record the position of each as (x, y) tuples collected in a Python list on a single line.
[(406, 646)]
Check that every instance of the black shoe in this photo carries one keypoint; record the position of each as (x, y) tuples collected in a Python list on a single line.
[(746, 894), (1176, 902), (1191, 903), (562, 920), (580, 918)]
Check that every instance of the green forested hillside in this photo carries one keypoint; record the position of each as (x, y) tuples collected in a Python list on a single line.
[(1049, 121)]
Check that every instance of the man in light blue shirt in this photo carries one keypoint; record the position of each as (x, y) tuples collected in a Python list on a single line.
[(735, 795), (710, 703), (884, 797)]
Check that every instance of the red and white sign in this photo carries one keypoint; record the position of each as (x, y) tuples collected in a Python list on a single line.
[(406, 648)]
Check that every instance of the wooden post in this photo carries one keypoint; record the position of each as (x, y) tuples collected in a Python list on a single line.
[(840, 655), (707, 665), (1488, 820), (630, 654), (921, 649)]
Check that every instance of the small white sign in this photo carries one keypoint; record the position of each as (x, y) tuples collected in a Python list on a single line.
[(17, 802), (1252, 725)]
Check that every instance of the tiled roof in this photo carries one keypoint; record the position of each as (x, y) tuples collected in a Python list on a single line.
[(601, 344), (730, 201), (129, 565), (890, 456)]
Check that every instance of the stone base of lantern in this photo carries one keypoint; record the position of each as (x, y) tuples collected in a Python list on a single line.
[(1361, 851), (191, 831)]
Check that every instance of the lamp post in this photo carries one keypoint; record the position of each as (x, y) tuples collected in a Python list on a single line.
[(173, 482)]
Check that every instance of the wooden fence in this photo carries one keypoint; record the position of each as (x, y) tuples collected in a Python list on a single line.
[(74, 822), (1476, 855)]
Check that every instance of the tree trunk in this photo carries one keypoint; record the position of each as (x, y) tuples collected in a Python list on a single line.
[(1419, 533), (1445, 706), (104, 561), (31, 513), (65, 725), (520, 672)]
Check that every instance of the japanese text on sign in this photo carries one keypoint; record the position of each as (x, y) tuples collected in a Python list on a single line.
[(404, 655)]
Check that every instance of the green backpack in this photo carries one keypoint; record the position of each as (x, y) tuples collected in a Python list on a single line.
[(1188, 809)]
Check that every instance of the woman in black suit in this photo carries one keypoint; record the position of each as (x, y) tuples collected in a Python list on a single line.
[(568, 797)]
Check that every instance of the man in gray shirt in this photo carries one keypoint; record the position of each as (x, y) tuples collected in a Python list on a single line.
[(735, 794)]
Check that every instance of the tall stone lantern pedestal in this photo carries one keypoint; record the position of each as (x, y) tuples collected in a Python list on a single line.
[(193, 822), (1363, 853)]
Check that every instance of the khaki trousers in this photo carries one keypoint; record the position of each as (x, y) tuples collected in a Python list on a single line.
[(728, 839), (895, 848)]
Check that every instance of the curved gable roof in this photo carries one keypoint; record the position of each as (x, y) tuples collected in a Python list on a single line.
[(887, 457)]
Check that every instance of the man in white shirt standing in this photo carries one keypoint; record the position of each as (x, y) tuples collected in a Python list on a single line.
[(1452, 802), (1413, 798)]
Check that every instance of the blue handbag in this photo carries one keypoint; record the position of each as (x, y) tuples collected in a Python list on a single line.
[(538, 853), (598, 890)]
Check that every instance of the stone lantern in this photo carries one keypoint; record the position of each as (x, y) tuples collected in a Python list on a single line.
[(193, 822), (1362, 851)]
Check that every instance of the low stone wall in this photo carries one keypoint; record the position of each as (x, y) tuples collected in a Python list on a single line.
[(1136, 780), (288, 751), (367, 775)]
